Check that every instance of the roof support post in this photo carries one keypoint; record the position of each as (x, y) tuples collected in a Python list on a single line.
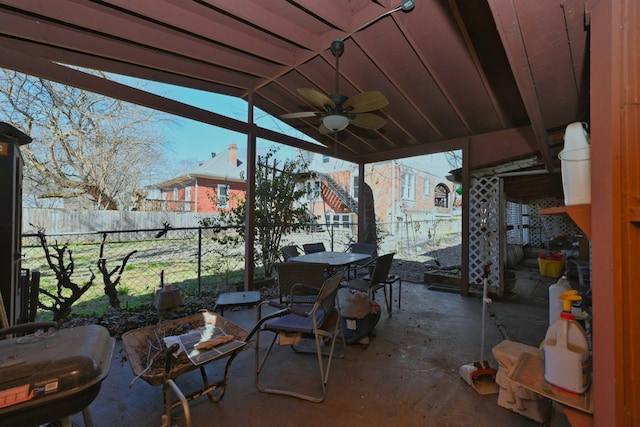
[(250, 221), (361, 206), (466, 161)]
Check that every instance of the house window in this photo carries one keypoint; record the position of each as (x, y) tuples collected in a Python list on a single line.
[(222, 193), (187, 199), (175, 194), (441, 196), (426, 188), (325, 158), (355, 179), (313, 189), (408, 186), (338, 221)]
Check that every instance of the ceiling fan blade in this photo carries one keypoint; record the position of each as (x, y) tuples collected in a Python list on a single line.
[(368, 121), (365, 102), (317, 98), (298, 115)]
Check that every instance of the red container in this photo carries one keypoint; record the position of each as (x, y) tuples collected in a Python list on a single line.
[(556, 256)]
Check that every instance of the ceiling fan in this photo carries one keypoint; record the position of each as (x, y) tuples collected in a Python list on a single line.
[(338, 111)]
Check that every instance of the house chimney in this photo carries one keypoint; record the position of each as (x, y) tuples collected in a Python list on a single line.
[(233, 154)]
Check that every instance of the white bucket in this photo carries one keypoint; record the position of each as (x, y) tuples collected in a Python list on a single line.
[(576, 165)]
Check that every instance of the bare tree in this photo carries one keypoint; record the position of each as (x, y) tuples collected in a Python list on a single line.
[(110, 284), (67, 291), (84, 144)]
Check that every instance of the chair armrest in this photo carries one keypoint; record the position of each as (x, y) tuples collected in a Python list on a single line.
[(367, 264), (277, 304), (354, 268)]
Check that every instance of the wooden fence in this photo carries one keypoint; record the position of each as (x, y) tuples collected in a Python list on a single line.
[(57, 221)]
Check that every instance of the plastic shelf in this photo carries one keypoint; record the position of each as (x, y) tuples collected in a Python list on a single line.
[(580, 214)]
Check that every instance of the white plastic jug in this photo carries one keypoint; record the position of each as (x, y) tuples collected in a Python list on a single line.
[(566, 351), (576, 165), (555, 303)]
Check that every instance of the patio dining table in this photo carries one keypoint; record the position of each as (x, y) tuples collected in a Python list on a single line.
[(334, 259)]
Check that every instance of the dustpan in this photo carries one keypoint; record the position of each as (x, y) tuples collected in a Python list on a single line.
[(480, 375)]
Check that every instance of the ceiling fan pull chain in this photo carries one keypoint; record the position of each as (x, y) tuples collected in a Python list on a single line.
[(337, 49)]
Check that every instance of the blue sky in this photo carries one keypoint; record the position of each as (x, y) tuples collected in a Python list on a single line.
[(192, 140)]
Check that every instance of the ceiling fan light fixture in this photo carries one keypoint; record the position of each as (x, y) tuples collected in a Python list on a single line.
[(335, 122)]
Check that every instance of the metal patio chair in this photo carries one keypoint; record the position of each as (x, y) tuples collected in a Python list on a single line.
[(309, 276), (290, 251), (362, 267), (310, 248), (378, 279), (296, 325)]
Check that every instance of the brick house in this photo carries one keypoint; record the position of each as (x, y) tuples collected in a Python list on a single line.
[(412, 189), (403, 190), (213, 186)]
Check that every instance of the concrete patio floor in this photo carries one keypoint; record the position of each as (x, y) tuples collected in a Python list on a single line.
[(407, 376)]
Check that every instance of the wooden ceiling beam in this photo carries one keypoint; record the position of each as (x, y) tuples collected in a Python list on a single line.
[(476, 60), (111, 32), (487, 148), (192, 78), (506, 19), (66, 37)]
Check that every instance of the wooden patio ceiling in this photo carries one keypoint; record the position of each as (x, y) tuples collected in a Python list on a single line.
[(503, 77)]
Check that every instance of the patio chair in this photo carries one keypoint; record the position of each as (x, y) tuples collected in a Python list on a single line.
[(290, 251), (389, 281), (296, 325), (310, 248), (309, 276), (362, 267), (378, 279)]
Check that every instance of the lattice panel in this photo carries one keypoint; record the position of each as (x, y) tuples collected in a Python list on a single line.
[(544, 227), (517, 224), (484, 226)]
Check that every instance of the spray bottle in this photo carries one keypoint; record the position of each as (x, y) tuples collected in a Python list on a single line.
[(566, 350), (555, 303)]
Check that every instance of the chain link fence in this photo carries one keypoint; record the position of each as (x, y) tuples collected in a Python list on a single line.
[(204, 258), (180, 254)]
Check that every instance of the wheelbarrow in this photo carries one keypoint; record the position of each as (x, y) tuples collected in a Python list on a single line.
[(159, 354)]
